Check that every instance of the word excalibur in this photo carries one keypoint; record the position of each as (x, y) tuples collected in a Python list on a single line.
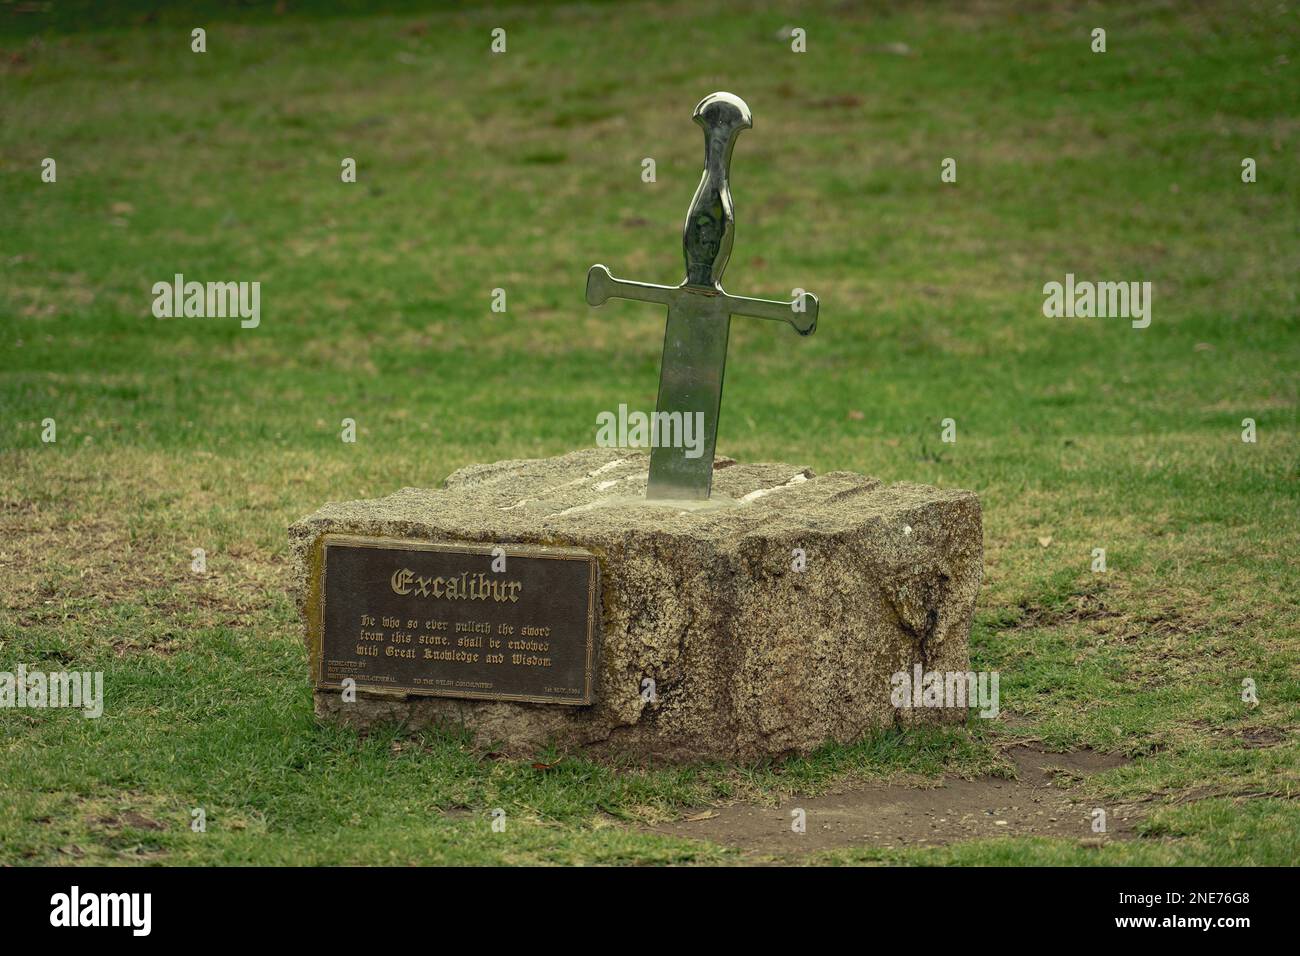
[(699, 311)]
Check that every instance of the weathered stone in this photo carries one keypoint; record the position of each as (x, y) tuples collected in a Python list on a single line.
[(749, 657)]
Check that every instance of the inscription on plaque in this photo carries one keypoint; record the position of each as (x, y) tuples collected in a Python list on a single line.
[(457, 620)]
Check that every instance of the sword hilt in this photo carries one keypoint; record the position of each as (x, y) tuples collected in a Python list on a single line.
[(710, 221)]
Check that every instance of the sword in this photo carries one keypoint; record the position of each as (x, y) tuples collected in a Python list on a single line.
[(699, 311)]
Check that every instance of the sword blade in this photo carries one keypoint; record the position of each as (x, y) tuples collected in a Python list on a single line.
[(690, 386)]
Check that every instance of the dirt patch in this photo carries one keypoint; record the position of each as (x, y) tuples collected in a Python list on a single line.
[(1250, 738), (1084, 606), (130, 819), (1039, 802)]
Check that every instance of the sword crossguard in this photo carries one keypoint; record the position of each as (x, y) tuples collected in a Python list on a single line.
[(601, 287), (800, 312)]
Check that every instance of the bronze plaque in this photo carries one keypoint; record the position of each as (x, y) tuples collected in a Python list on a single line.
[(420, 617)]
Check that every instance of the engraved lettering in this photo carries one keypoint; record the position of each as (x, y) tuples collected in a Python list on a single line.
[(467, 587)]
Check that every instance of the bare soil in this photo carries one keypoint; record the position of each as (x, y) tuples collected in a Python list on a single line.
[(1042, 800)]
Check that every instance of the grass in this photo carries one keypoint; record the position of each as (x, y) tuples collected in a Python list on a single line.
[(478, 172)]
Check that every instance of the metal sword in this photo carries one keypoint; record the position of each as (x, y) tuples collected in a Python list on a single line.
[(699, 311)]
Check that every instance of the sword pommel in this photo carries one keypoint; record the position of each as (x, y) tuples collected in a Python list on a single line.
[(725, 112)]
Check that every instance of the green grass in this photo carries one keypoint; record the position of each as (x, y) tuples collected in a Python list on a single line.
[(519, 171)]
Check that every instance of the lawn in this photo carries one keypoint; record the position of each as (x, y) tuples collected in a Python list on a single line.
[(479, 171)]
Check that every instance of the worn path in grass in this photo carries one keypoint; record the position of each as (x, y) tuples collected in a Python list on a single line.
[(1036, 802)]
